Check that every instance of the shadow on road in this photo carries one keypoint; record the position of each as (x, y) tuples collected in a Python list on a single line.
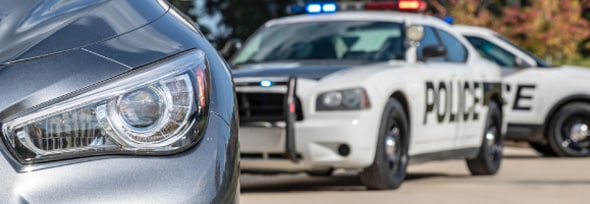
[(556, 182), (304, 183), (523, 156)]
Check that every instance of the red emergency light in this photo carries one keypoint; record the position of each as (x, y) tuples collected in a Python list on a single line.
[(380, 5), (402, 5), (411, 5)]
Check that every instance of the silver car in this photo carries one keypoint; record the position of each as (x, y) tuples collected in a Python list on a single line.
[(113, 102)]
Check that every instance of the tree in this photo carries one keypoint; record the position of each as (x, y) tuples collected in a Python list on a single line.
[(553, 29), (242, 17), (476, 12), (187, 7), (548, 28), (584, 47)]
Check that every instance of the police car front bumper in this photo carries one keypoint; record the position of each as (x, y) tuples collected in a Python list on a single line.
[(322, 141)]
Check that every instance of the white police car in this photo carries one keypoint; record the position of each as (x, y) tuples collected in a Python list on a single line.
[(367, 92), (549, 107)]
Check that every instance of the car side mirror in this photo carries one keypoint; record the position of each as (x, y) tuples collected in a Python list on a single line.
[(230, 48), (520, 63), (432, 51)]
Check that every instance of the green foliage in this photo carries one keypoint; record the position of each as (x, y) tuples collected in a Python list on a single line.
[(243, 17), (187, 8)]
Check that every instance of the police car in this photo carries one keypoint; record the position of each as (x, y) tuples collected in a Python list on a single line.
[(549, 107), (367, 92)]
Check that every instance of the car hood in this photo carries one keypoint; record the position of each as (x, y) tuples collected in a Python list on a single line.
[(33, 28), (308, 70), (575, 71)]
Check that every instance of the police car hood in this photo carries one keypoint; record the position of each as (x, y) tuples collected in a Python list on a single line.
[(361, 73), (576, 71), (32, 28), (315, 70)]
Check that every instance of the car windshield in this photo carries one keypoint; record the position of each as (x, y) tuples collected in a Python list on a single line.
[(336, 40), (540, 62), (492, 52)]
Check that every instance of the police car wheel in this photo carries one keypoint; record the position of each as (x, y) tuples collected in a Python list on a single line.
[(388, 170), (569, 131), (489, 158), (544, 149)]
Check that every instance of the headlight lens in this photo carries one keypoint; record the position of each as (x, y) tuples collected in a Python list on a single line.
[(141, 108), (159, 109), (349, 99)]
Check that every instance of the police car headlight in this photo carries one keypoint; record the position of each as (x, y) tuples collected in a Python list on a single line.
[(350, 99), (155, 110)]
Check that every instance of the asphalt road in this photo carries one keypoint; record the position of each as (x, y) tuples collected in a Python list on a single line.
[(524, 178)]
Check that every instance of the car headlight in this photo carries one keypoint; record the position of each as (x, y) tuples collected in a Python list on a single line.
[(158, 109), (349, 99)]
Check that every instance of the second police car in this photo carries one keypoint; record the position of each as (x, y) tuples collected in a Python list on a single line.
[(548, 107), (368, 92)]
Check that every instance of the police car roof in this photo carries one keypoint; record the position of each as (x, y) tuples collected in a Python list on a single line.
[(466, 30), (388, 16)]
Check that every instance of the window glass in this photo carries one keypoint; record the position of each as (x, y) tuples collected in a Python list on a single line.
[(430, 38), (492, 52), (539, 61), (334, 40), (455, 50)]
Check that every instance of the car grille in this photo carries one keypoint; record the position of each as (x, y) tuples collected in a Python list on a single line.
[(264, 107)]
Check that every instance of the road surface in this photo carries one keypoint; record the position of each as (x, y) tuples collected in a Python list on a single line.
[(524, 178)]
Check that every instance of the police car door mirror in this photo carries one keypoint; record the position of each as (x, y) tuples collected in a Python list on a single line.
[(433, 51), (520, 63), (415, 33), (231, 47)]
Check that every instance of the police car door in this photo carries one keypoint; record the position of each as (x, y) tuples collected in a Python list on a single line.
[(519, 78), (467, 88), (438, 126)]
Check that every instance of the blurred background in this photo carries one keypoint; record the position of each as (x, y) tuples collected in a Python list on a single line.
[(559, 31)]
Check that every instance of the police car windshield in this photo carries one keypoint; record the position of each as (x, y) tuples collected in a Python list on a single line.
[(540, 62), (334, 40)]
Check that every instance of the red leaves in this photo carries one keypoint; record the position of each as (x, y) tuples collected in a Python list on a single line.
[(547, 28)]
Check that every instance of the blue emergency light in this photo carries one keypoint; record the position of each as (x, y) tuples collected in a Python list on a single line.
[(314, 7), (449, 20), (266, 83), (329, 8)]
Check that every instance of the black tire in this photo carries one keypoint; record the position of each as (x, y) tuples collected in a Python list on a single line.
[(388, 170), (489, 158), (563, 129), (544, 149)]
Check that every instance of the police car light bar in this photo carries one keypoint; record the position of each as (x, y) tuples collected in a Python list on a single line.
[(401, 5), (330, 6)]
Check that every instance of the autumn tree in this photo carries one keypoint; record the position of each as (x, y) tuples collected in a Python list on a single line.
[(551, 29), (548, 28), (476, 12)]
